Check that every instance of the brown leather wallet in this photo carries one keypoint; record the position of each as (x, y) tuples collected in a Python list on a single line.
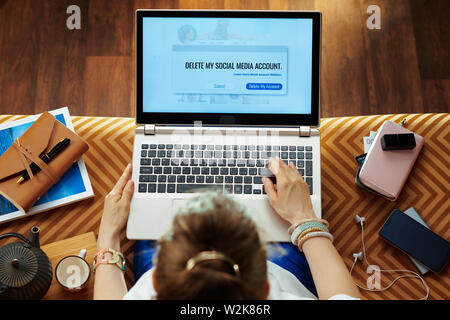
[(38, 140)]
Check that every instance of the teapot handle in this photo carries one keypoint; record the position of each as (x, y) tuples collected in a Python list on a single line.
[(13, 234)]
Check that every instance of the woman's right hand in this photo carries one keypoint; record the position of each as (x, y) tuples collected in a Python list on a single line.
[(290, 199)]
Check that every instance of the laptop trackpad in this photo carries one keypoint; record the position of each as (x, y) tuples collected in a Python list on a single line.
[(273, 228), (177, 204)]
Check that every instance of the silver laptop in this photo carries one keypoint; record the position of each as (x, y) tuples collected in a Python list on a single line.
[(217, 94)]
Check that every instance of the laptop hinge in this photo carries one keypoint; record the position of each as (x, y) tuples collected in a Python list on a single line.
[(149, 129), (305, 131)]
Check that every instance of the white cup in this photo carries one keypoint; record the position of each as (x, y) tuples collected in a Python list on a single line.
[(73, 272)]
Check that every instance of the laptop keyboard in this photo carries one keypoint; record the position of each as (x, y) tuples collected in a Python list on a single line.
[(235, 169)]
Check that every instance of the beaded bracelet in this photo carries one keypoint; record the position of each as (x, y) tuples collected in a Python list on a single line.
[(312, 235), (298, 233), (304, 226), (312, 224), (295, 225), (310, 229)]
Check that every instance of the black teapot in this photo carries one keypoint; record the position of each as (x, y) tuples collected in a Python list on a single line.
[(25, 270)]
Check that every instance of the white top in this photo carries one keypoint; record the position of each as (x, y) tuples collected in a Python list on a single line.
[(283, 286)]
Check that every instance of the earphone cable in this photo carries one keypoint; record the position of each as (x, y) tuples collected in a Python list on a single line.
[(415, 275)]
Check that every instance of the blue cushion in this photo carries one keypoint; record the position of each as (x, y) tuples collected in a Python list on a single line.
[(292, 260)]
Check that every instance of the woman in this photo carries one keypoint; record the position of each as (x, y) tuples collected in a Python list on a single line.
[(214, 250)]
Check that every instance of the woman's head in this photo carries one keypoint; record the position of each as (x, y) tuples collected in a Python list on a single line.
[(212, 222)]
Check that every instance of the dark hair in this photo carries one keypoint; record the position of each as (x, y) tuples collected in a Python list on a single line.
[(212, 222)]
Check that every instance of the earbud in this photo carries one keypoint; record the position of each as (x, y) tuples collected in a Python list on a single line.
[(359, 219), (358, 256), (362, 256)]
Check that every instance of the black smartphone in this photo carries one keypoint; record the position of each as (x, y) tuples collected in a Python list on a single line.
[(416, 240)]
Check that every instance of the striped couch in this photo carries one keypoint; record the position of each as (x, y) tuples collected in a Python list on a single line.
[(427, 189)]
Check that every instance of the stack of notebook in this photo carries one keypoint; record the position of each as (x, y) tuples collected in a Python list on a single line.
[(58, 181)]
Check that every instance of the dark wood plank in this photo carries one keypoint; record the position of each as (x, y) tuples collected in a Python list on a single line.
[(201, 4), (60, 75), (432, 32), (3, 55), (344, 88), (436, 95), (246, 5), (156, 4), (110, 25), (19, 51), (107, 86), (394, 78), (42, 64)]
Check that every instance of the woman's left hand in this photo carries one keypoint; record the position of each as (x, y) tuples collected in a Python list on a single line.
[(110, 280), (117, 205)]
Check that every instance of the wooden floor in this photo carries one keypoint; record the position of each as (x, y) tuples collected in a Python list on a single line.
[(404, 67)]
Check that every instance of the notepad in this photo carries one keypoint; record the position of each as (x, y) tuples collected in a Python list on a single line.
[(73, 186)]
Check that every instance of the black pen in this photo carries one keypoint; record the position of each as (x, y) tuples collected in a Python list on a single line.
[(46, 158)]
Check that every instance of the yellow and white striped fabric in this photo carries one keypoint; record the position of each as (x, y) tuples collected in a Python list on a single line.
[(427, 189)]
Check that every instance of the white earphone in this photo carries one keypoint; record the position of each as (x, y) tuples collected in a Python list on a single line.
[(358, 219), (362, 256)]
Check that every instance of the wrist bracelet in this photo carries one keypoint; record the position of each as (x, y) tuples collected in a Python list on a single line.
[(312, 235), (295, 225), (116, 258), (304, 226), (300, 232), (312, 224)]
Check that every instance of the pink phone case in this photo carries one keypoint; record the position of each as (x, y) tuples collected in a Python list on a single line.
[(387, 171)]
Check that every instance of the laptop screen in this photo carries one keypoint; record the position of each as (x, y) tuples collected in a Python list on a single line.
[(227, 67)]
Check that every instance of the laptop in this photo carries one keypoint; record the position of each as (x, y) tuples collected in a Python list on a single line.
[(217, 94)]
